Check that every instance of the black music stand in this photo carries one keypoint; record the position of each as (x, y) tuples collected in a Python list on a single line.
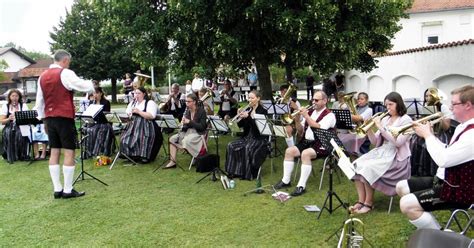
[(343, 119), (28, 117), (324, 137), (166, 122), (414, 107), (91, 112), (217, 126)]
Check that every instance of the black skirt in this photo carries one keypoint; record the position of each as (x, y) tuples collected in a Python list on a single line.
[(100, 140), (245, 156), (15, 146), (142, 139)]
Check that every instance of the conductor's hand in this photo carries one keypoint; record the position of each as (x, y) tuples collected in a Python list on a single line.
[(422, 130)]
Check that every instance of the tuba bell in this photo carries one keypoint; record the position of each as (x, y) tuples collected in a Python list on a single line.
[(349, 100), (435, 98), (142, 78), (286, 98)]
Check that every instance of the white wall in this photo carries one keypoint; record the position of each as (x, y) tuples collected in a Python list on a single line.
[(15, 62), (410, 74), (454, 25)]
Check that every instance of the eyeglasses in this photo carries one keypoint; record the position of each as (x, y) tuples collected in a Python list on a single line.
[(189, 101), (317, 100), (454, 104)]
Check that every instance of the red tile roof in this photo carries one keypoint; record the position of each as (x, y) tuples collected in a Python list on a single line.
[(439, 5), (437, 46), (35, 70)]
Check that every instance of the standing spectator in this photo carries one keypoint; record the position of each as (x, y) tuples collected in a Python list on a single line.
[(188, 87), (54, 104), (127, 83), (252, 78), (242, 81), (309, 86), (197, 83)]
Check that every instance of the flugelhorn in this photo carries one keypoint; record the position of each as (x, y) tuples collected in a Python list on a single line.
[(237, 118), (362, 130), (408, 128), (289, 118)]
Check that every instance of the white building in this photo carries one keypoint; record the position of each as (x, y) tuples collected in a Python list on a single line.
[(434, 48)]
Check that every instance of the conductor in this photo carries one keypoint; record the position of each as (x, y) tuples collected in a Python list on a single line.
[(54, 102)]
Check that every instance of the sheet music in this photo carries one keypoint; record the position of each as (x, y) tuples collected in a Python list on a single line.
[(262, 124), (218, 124), (92, 110), (280, 131), (268, 106), (282, 109), (344, 163)]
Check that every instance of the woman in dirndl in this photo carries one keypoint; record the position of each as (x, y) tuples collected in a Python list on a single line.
[(245, 155), (100, 135), (382, 167), (194, 124), (142, 138), (421, 162), (15, 146)]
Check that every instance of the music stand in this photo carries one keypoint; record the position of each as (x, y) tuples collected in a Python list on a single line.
[(414, 107), (121, 120), (217, 126), (324, 137), (28, 117), (166, 121), (343, 119), (90, 113)]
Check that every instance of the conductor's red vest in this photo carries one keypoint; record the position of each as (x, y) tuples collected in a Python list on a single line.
[(57, 99)]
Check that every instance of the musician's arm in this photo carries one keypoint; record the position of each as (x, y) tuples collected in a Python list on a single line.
[(3, 114), (200, 125), (401, 139), (72, 82), (455, 154), (39, 101)]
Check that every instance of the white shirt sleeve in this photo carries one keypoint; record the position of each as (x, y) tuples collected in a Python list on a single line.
[(152, 108), (4, 110), (39, 101), (72, 82), (329, 121), (455, 154), (128, 111), (366, 114)]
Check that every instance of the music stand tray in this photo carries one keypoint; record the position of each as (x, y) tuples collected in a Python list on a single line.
[(28, 117), (325, 137)]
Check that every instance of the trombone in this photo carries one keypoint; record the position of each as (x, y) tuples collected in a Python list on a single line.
[(362, 130), (288, 118), (408, 128)]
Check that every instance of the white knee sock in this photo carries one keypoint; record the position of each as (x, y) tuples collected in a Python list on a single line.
[(287, 169), (402, 188), (290, 142), (426, 221), (68, 172), (55, 172), (305, 172)]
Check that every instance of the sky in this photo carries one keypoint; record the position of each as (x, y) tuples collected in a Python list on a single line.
[(27, 23)]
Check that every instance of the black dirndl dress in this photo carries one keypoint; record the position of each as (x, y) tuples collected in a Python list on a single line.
[(245, 155), (141, 139), (15, 146), (100, 135)]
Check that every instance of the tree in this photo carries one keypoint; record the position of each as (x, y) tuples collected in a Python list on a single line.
[(328, 35), (97, 52), (3, 66)]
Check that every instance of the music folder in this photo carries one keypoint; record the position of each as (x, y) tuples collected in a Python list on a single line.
[(344, 163), (92, 111)]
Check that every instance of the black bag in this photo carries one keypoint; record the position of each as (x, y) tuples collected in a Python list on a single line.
[(206, 162)]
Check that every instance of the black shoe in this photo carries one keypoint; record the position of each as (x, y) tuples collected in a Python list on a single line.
[(73, 194), (281, 185), (58, 194), (170, 167), (298, 191)]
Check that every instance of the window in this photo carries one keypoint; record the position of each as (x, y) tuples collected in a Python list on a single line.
[(432, 39)]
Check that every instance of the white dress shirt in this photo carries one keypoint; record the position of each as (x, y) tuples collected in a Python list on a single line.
[(69, 80), (151, 108), (329, 121)]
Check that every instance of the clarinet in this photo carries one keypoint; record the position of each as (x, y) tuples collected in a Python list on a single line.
[(186, 110)]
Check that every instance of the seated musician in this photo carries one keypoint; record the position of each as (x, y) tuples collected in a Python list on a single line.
[(452, 187), (308, 149), (421, 162), (382, 167), (339, 104), (293, 105), (101, 137), (194, 124), (351, 141), (229, 103), (142, 138), (15, 146), (245, 155), (205, 100), (173, 104)]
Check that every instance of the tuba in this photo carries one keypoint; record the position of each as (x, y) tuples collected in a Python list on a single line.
[(350, 236), (349, 100), (435, 97), (206, 96), (362, 130), (142, 78), (286, 98)]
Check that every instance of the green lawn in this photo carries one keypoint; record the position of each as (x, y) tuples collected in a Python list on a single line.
[(167, 208)]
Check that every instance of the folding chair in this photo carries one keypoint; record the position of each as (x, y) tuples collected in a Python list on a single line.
[(203, 150)]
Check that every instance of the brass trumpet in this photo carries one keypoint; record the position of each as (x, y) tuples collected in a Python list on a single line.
[(237, 118), (408, 128), (362, 130), (289, 118)]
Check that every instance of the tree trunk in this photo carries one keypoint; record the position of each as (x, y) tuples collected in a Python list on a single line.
[(289, 68), (264, 79), (114, 90)]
